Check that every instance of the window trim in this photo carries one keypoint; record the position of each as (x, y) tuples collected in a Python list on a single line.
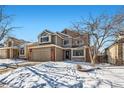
[(64, 42), (45, 41), (20, 51), (78, 49)]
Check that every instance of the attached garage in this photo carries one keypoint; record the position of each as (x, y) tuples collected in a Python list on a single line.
[(45, 53), (40, 54)]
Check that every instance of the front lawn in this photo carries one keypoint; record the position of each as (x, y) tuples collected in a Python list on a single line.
[(63, 74)]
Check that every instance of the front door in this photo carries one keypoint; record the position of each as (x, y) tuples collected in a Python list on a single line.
[(67, 55)]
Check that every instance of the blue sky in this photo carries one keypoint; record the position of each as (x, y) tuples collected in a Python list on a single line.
[(34, 19)]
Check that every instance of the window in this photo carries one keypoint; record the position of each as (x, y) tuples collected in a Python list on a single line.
[(22, 51), (77, 42), (78, 52), (45, 39), (66, 42)]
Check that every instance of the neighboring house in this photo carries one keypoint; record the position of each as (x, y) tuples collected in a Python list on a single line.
[(115, 52), (51, 46), (67, 45), (11, 48)]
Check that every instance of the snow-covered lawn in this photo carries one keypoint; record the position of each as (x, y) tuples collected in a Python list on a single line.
[(64, 74), (8, 62)]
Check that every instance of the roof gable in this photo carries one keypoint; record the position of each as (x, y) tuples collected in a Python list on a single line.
[(45, 32)]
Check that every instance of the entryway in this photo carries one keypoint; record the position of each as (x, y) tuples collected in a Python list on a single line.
[(67, 54)]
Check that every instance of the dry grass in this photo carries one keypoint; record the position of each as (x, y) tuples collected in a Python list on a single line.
[(79, 67)]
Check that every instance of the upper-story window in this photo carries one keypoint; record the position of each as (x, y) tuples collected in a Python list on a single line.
[(66, 42), (77, 42), (45, 39)]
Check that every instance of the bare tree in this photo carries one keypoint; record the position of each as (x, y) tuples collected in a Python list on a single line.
[(5, 23), (102, 30)]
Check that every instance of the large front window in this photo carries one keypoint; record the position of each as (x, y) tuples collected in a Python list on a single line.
[(79, 52)]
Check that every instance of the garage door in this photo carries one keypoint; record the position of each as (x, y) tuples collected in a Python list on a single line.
[(3, 53), (41, 54)]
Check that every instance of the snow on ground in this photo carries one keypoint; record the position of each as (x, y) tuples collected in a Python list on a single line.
[(8, 62), (64, 74)]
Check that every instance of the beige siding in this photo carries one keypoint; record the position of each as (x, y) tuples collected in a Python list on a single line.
[(53, 39), (59, 54), (3, 53), (40, 54), (112, 54), (59, 41), (70, 42)]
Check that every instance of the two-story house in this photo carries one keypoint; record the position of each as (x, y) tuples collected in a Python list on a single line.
[(51, 46), (67, 45)]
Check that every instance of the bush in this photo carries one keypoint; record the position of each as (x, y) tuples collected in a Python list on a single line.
[(79, 67)]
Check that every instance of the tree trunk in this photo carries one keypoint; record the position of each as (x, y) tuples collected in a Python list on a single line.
[(92, 58)]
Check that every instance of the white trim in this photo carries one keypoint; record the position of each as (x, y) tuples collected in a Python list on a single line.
[(66, 35), (77, 49), (56, 40), (24, 51), (59, 35), (44, 46), (49, 36), (43, 32)]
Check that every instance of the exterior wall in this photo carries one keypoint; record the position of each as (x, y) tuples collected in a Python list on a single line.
[(15, 53), (59, 54), (53, 39), (59, 41), (40, 54), (112, 53), (3, 53), (16, 43), (13, 42), (116, 54), (70, 42), (71, 33), (120, 60), (9, 53)]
